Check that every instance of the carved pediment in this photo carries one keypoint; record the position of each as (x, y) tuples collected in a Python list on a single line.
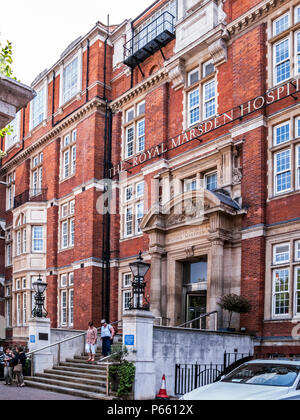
[(190, 208)]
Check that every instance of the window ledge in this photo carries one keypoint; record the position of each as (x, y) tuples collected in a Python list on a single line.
[(67, 179), (15, 145), (274, 320), (132, 237), (283, 195), (76, 97), (66, 249)]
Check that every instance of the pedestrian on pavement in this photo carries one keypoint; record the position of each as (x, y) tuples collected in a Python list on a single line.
[(91, 342), (107, 336), (8, 366), (19, 363)]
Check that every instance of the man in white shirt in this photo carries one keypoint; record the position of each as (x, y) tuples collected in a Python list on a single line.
[(107, 335)]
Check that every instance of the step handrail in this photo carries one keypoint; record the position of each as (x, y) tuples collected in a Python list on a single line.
[(202, 317), (65, 341)]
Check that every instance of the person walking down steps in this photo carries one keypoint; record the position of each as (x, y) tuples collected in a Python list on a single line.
[(107, 336), (91, 342)]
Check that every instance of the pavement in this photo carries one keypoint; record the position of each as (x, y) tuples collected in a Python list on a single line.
[(13, 393)]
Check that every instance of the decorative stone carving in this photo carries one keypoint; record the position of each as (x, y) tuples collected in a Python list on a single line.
[(222, 16), (177, 73), (237, 176), (218, 51), (187, 212), (190, 252)]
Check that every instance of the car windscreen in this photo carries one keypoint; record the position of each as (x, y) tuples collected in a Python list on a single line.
[(264, 374)]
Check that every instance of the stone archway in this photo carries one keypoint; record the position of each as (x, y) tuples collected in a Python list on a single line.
[(191, 225)]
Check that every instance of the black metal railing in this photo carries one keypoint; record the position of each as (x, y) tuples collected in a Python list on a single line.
[(149, 39), (32, 195), (190, 377)]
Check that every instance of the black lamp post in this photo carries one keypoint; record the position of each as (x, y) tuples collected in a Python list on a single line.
[(139, 270), (39, 287)]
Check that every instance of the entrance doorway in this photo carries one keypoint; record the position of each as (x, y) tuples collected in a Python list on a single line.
[(197, 306)]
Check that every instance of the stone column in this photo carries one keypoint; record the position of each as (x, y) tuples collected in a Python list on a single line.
[(216, 285), (138, 338), (40, 337), (156, 283)]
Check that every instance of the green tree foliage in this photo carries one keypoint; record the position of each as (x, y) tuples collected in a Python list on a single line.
[(235, 304), (6, 70)]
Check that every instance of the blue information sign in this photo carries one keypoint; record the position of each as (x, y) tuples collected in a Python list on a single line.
[(129, 340), (32, 339)]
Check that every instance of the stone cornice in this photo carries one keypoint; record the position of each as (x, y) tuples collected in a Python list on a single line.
[(95, 103), (141, 88), (253, 15)]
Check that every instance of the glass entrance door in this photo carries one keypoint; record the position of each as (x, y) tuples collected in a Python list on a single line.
[(197, 306)]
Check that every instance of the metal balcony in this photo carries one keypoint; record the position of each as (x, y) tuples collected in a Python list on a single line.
[(149, 40), (37, 195)]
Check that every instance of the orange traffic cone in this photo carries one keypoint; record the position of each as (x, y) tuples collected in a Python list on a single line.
[(163, 390)]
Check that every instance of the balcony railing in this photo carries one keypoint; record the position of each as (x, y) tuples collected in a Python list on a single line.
[(149, 40), (37, 195)]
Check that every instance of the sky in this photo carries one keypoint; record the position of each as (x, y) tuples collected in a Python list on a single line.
[(40, 31)]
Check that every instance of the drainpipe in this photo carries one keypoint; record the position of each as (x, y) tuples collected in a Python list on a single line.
[(87, 70), (106, 218), (53, 96)]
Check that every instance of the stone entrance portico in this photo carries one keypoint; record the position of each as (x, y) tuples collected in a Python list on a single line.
[(192, 226)]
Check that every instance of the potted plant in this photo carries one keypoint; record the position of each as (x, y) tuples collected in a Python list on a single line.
[(121, 373), (234, 304)]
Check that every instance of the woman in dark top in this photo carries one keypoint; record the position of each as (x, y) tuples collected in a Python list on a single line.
[(20, 359)]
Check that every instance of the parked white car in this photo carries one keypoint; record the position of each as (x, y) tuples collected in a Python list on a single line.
[(256, 380)]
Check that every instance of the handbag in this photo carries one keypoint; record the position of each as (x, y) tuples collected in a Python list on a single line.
[(18, 368)]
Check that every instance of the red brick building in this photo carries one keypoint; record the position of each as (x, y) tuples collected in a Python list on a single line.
[(191, 113)]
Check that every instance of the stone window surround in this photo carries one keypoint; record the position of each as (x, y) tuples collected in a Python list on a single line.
[(77, 54), (39, 88), (9, 242), (292, 144), (39, 169), (198, 85), (67, 218), (272, 40), (72, 133), (283, 236), (134, 122), (68, 288), (135, 200), (10, 188)]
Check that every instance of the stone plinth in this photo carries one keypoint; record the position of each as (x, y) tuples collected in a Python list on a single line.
[(138, 338), (39, 337)]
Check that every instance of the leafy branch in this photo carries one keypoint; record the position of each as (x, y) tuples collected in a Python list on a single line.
[(6, 70), (6, 60)]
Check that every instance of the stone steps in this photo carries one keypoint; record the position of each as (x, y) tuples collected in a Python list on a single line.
[(92, 380), (75, 377), (69, 391), (79, 375), (62, 382), (80, 370)]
